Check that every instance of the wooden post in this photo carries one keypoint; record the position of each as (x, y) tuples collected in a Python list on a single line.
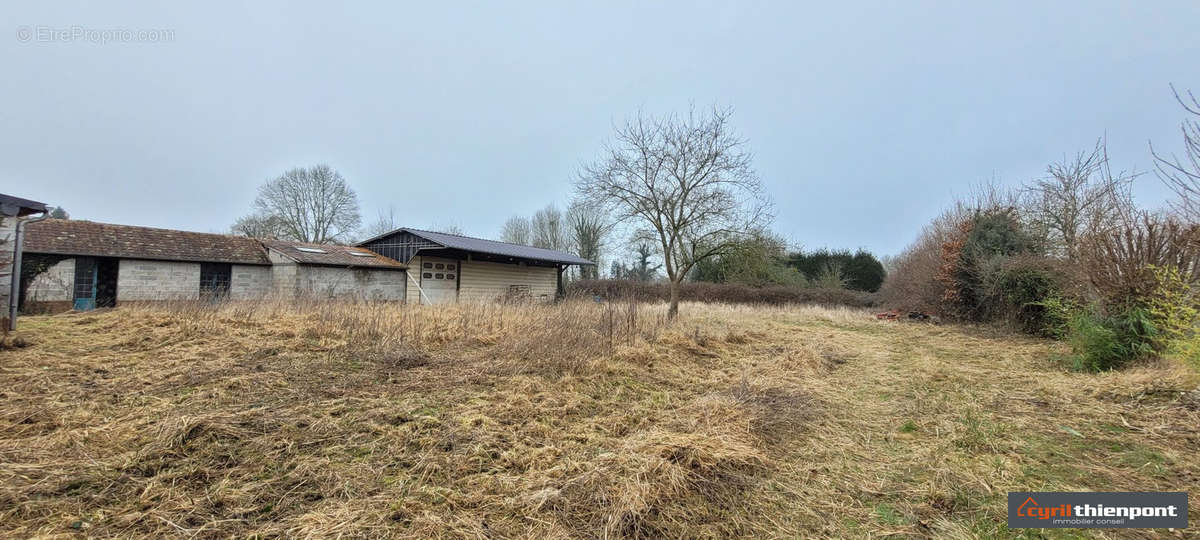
[(559, 292)]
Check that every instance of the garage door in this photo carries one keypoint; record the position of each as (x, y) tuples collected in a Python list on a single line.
[(439, 281)]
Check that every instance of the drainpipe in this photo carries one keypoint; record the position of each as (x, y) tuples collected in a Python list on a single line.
[(14, 297)]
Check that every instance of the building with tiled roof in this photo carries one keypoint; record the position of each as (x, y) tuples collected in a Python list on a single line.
[(84, 264)]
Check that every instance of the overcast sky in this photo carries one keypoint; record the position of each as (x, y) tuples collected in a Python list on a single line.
[(864, 121)]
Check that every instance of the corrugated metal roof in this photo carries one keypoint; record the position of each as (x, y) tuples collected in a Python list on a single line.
[(77, 237), (492, 247), (305, 253), (16, 206)]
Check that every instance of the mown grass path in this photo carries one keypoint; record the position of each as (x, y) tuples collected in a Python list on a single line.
[(926, 428)]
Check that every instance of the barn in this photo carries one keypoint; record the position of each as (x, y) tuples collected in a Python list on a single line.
[(84, 265), (451, 268)]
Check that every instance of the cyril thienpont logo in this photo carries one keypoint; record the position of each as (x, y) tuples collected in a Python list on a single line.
[(1058, 510)]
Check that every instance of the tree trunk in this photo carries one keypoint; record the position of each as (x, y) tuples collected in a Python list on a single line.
[(673, 311)]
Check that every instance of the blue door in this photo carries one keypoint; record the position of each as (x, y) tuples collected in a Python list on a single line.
[(85, 283)]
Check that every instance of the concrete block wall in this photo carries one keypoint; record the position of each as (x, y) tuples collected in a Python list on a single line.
[(56, 284), (157, 280), (249, 282), (141, 280), (332, 282), (283, 280)]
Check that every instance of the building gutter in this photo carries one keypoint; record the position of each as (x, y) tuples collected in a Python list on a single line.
[(14, 296)]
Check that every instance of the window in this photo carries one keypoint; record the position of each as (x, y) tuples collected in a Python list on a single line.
[(427, 275), (517, 293), (85, 278), (427, 265), (310, 250), (449, 276), (439, 276), (439, 266), (214, 280), (449, 267)]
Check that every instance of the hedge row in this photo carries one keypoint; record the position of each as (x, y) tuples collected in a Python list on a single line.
[(617, 289)]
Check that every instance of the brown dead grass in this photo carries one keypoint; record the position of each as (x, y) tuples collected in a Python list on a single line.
[(575, 420)]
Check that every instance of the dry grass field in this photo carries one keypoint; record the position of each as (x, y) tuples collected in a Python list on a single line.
[(575, 420)]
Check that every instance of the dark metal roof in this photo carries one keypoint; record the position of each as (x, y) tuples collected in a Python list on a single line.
[(16, 206), (333, 255), (490, 247), (76, 237)]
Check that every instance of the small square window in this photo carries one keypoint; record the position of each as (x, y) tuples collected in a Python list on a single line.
[(439, 266), (449, 276), (427, 265), (439, 276), (427, 275)]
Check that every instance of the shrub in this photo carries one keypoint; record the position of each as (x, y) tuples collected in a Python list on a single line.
[(975, 257), (1038, 295), (757, 261), (912, 282), (1102, 343), (1050, 317), (1173, 307), (831, 277)]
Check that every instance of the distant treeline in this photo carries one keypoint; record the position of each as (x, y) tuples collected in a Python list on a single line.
[(730, 293), (764, 260)]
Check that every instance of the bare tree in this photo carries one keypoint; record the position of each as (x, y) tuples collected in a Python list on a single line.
[(1118, 260), (589, 226), (548, 229), (1183, 175), (313, 205), (259, 226), (683, 181), (385, 222), (642, 269), (517, 230), (1077, 195), (448, 228)]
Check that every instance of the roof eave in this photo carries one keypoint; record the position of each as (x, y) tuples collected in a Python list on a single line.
[(417, 232), (141, 257)]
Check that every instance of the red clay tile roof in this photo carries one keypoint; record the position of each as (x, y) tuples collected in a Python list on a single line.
[(333, 255), (75, 237)]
